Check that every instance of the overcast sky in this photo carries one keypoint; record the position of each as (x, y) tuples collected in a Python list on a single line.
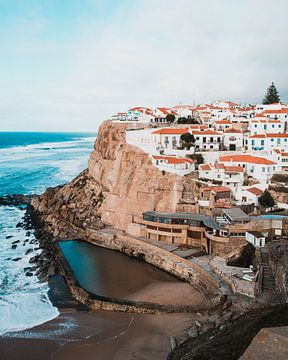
[(67, 65)]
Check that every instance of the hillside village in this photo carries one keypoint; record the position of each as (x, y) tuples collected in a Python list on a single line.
[(238, 155)]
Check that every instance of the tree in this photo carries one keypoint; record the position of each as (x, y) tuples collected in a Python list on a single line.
[(188, 138), (170, 118), (272, 95), (197, 157), (266, 200), (184, 120)]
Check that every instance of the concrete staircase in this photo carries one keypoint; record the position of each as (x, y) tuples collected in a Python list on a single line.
[(268, 282)]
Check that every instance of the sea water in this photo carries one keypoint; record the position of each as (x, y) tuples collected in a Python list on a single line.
[(29, 163)]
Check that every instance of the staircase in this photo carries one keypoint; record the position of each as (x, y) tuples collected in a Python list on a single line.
[(268, 281)]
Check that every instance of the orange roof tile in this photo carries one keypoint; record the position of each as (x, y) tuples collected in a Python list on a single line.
[(232, 130), (206, 132), (246, 159), (215, 188), (234, 169), (171, 131), (205, 167), (255, 191)]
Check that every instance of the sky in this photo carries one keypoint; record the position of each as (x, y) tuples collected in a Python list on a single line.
[(67, 65)]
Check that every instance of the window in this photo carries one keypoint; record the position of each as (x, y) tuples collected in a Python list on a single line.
[(204, 139), (273, 126), (262, 142), (265, 127), (253, 142), (211, 139), (263, 169)]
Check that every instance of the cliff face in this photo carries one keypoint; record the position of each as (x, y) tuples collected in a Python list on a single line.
[(118, 186)]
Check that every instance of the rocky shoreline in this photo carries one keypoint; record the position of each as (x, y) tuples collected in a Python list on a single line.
[(198, 345)]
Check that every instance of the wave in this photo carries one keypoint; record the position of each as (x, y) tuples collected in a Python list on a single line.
[(24, 301)]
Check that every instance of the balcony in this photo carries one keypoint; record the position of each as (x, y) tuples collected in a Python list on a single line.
[(212, 237), (203, 203)]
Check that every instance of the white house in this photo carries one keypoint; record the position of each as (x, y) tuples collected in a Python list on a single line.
[(231, 176), (264, 107), (263, 126), (120, 116), (233, 139), (248, 195), (268, 141), (222, 124), (207, 139), (259, 168), (182, 166), (225, 104), (168, 138), (256, 238), (140, 114)]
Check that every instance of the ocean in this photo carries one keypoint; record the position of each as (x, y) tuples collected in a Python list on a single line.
[(29, 163)]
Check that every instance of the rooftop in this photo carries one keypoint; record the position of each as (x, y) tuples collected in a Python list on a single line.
[(236, 214)]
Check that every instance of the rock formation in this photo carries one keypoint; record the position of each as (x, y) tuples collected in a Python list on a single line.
[(119, 184)]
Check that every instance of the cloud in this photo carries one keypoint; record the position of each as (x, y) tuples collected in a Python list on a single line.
[(145, 53)]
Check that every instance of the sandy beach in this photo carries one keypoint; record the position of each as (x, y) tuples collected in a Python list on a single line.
[(98, 335)]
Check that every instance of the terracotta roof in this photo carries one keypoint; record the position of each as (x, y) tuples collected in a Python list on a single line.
[(269, 136), (215, 188), (232, 130), (172, 159), (222, 122), (206, 132), (205, 167), (234, 169), (246, 159), (222, 204), (255, 191), (171, 131)]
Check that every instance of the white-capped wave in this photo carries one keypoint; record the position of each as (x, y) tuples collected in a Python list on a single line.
[(24, 301)]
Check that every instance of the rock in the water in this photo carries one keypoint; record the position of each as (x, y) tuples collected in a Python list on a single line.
[(13, 247), (28, 273), (28, 251), (193, 331), (9, 237), (173, 342), (16, 242), (16, 259)]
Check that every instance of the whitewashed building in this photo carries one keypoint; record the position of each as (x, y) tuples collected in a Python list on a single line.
[(233, 139), (259, 168), (207, 139), (268, 141), (256, 238), (181, 166), (231, 176)]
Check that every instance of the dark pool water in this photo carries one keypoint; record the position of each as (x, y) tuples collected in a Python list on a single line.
[(109, 273)]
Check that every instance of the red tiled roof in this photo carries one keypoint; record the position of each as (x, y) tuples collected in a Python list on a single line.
[(205, 167), (206, 132), (215, 188), (171, 131), (232, 130), (255, 191), (234, 169), (246, 159), (173, 159), (223, 122), (269, 136)]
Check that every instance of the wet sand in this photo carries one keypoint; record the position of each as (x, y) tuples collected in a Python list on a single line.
[(97, 335), (171, 293)]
